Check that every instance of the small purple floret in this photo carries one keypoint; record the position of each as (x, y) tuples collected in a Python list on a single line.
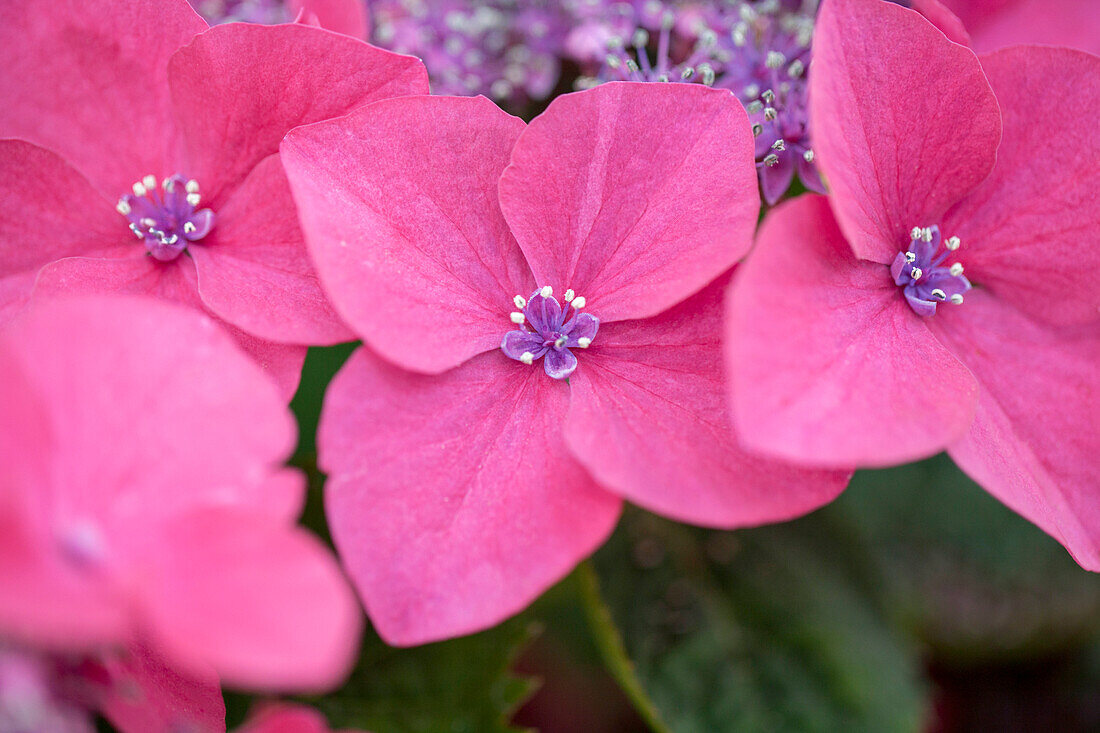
[(925, 275), (166, 219), (550, 332)]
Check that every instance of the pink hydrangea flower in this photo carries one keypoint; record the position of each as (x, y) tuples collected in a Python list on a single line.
[(484, 262), (146, 160), (864, 341), (142, 499)]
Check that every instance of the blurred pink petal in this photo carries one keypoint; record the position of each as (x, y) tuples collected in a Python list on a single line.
[(995, 24)]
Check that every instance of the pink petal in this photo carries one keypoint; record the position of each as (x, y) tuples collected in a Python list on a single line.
[(47, 211), (940, 16), (174, 398), (263, 603), (634, 195), (343, 16), (146, 695), (904, 122), (285, 718), (648, 418), (465, 505), (998, 23), (1029, 232), (399, 205), (175, 282), (239, 88), (88, 80), (1034, 444), (829, 365), (254, 270)]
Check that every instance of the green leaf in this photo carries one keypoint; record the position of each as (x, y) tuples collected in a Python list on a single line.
[(756, 630), (970, 577), (458, 686)]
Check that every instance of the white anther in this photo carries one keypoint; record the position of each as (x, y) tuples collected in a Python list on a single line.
[(584, 342), (520, 301), (569, 295), (546, 291), (957, 269), (579, 302), (147, 222), (910, 257), (768, 96), (926, 234), (168, 184), (770, 113), (527, 357), (774, 60), (757, 130), (518, 318), (188, 228), (193, 199), (779, 144), (150, 181), (139, 189), (952, 243), (560, 342), (939, 294), (957, 299), (771, 159), (796, 69), (123, 207), (915, 233), (192, 186), (754, 106), (916, 273), (752, 91), (808, 156)]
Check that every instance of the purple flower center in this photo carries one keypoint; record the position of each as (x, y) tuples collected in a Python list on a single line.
[(548, 331), (924, 273), (166, 219)]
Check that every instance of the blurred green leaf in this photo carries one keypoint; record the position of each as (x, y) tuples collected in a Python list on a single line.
[(458, 686), (970, 577), (758, 630)]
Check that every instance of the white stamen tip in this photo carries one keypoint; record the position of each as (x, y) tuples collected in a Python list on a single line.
[(916, 273), (546, 291), (584, 342), (123, 207), (139, 189), (188, 228), (579, 302), (808, 156), (520, 301), (915, 233), (150, 181), (910, 257), (957, 269), (192, 186), (560, 342), (518, 318), (527, 357), (167, 184), (939, 294), (926, 234), (193, 199), (957, 299), (569, 295), (952, 243)]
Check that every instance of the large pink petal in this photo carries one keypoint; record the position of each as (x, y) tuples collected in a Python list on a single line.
[(904, 121), (88, 80), (452, 499), (285, 718), (634, 195), (188, 419), (255, 271), (239, 88), (828, 363), (998, 23), (399, 205), (263, 603), (176, 281), (1034, 443), (941, 16), (1030, 232), (146, 695), (343, 16), (648, 418), (47, 211)]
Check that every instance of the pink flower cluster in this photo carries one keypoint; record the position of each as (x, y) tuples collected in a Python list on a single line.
[(556, 317)]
